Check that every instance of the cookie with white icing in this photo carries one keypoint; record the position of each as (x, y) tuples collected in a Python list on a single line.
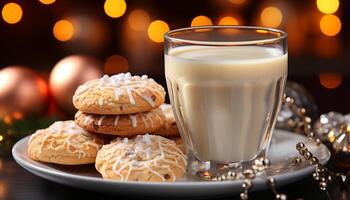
[(127, 125), (179, 143), (169, 129), (65, 143), (119, 94), (148, 158)]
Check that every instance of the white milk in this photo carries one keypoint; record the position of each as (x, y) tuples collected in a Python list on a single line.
[(225, 98)]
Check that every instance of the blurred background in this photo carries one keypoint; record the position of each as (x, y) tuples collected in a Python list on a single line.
[(49, 47)]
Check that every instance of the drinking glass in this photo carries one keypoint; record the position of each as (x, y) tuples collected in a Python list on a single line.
[(225, 85)]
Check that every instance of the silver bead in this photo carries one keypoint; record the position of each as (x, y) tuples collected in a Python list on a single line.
[(281, 197), (271, 181), (300, 145), (330, 178), (311, 134), (297, 161), (248, 173), (318, 141), (316, 176), (313, 161), (247, 184), (302, 151), (320, 170), (323, 185), (308, 155), (266, 162), (244, 196)]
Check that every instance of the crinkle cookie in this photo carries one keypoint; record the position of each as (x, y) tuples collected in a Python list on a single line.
[(65, 143), (119, 94), (127, 125), (169, 129), (149, 158)]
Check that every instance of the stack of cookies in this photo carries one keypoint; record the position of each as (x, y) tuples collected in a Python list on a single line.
[(129, 109), (121, 105)]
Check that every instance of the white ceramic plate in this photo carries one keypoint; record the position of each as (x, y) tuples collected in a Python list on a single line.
[(281, 153)]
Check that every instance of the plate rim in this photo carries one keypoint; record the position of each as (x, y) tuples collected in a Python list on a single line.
[(193, 183)]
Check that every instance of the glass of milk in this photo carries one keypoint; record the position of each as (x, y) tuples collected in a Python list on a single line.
[(225, 85)]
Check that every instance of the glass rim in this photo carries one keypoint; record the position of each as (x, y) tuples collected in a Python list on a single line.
[(281, 35)]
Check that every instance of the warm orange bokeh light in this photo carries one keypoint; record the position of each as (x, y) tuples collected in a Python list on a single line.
[(115, 8), (63, 30), (17, 115), (138, 20), (116, 64), (330, 25), (237, 2), (47, 2), (12, 13), (271, 17), (7, 120), (156, 30), (328, 6), (201, 21), (3, 189), (228, 20), (331, 80)]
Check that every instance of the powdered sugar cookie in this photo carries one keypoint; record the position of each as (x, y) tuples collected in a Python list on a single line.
[(144, 158), (179, 143), (122, 125), (119, 94), (169, 129), (65, 143)]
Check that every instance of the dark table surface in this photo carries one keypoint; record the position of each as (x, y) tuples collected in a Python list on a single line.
[(16, 183)]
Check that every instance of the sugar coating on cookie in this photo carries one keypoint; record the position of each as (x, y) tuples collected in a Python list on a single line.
[(143, 158), (119, 94), (122, 125), (64, 142), (169, 129)]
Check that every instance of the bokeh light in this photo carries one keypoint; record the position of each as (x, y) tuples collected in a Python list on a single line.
[(331, 80), (228, 20), (271, 17), (116, 64), (47, 2), (156, 30), (237, 2), (201, 20), (1, 139), (7, 120), (12, 13), (63, 30), (138, 20), (115, 8), (328, 6), (3, 189), (330, 25), (18, 115)]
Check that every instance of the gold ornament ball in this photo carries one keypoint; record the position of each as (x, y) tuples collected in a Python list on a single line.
[(68, 74), (22, 92)]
